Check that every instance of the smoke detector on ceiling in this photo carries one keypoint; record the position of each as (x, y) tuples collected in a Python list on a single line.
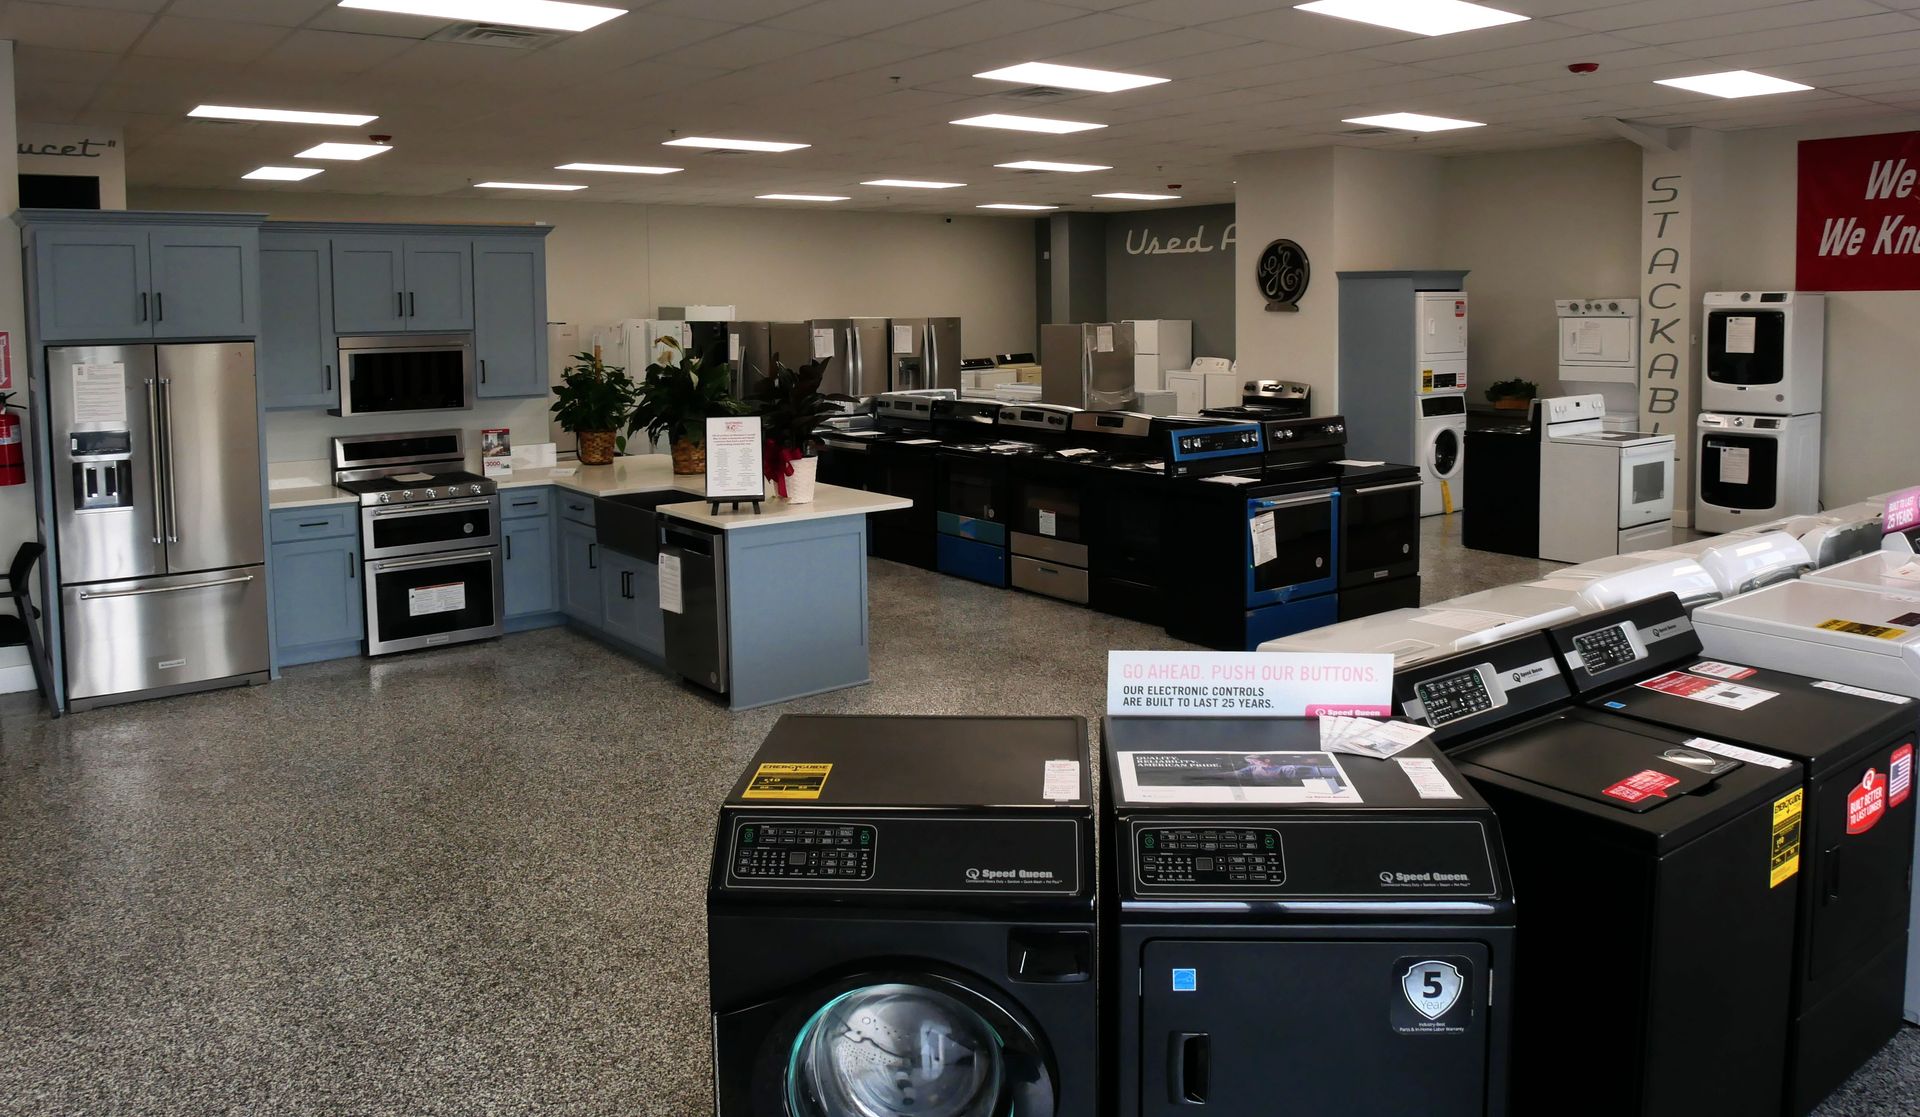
[(495, 35)]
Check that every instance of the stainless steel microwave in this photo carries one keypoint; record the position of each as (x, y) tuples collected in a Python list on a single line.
[(405, 372)]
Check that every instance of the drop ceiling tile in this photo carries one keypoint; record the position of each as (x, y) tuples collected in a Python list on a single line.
[(749, 46), (849, 18), (1149, 51), (1846, 30), (281, 13), (69, 28), (1074, 42), (224, 42), (334, 52), (733, 11), (1808, 13), (1312, 31), (1646, 13), (1512, 36), (977, 22), (54, 102), (35, 65)]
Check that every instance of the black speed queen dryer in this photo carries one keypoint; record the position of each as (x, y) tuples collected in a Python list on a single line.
[(900, 920), (1644, 661), (1306, 959)]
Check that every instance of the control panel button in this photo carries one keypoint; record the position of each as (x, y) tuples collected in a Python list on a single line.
[(1200, 858), (810, 852)]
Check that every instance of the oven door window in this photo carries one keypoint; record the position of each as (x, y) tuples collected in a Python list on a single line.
[(414, 598), (1052, 511), (1383, 527), (1302, 551), (969, 492), (402, 533), (407, 380), (1739, 471)]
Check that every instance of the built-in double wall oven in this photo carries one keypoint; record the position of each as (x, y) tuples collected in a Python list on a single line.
[(433, 574)]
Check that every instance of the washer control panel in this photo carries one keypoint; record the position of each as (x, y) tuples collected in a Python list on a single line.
[(1454, 697), (764, 851), (1237, 858)]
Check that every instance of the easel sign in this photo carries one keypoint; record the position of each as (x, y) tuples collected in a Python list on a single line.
[(734, 463)]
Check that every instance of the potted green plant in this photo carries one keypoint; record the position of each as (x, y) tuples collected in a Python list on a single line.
[(676, 400), (593, 400), (791, 408), (1512, 395)]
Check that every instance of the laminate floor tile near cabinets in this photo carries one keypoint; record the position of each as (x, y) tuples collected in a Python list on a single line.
[(466, 881)]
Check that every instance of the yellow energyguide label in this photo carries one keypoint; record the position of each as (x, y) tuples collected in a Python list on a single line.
[(787, 781), (1426, 380), (1861, 628), (1785, 859)]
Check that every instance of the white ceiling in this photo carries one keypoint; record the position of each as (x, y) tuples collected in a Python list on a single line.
[(871, 85)]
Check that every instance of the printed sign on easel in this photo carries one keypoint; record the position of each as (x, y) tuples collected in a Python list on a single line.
[(734, 463)]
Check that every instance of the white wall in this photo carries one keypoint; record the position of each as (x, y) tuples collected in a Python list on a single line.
[(606, 262), (1387, 211), (17, 521), (1532, 227)]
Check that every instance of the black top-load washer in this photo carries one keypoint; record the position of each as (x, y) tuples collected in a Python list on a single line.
[(1289, 931), (1655, 976), (901, 921), (1644, 662)]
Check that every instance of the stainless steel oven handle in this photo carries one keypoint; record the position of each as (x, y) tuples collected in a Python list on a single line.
[(1388, 488), (1267, 505), (153, 452), (166, 589), (173, 520), (381, 566), (429, 509)]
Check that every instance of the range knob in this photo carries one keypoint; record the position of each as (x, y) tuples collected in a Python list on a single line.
[(474, 489), (385, 497), (430, 494), (406, 494)]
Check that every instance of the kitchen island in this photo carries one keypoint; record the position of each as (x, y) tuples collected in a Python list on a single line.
[(762, 608)]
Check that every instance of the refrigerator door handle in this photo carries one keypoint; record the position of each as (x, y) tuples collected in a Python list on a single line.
[(98, 596), (153, 450), (166, 403)]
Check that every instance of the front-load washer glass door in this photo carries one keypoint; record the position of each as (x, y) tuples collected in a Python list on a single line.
[(893, 1050), (1739, 471), (1443, 453)]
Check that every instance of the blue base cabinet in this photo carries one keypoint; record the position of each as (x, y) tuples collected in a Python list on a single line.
[(318, 602), (630, 603), (528, 551), (579, 572)]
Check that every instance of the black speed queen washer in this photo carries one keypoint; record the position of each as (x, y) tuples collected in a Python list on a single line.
[(1850, 959), (1307, 958), (1654, 978), (901, 921)]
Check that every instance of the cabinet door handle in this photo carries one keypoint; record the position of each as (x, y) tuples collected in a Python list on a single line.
[(525, 503), (399, 304), (143, 306), (329, 369), (483, 370), (509, 540), (413, 304), (159, 306), (351, 573), (316, 523), (591, 564)]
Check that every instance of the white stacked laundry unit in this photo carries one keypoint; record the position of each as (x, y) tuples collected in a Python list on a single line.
[(1757, 442)]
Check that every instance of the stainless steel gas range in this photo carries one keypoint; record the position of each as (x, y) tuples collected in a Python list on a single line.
[(429, 539)]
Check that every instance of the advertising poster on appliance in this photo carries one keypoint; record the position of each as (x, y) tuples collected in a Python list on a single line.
[(734, 459), (496, 452), (1859, 220), (1234, 777), (1248, 684)]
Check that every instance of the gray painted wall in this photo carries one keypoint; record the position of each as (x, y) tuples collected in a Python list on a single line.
[(1191, 276)]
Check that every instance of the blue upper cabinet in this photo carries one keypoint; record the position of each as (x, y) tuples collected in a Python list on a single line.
[(439, 273), (297, 341), (510, 316), (101, 277), (206, 282), (369, 284)]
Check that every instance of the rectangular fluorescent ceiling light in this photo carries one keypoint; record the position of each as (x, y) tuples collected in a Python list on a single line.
[(802, 198), (1071, 77), (914, 184), (1414, 122), (280, 116), (617, 169), (1027, 123), (733, 145), (527, 186), (1013, 205), (353, 152), (1735, 83), (282, 174), (1125, 197), (1044, 165), (1422, 17), (548, 15)]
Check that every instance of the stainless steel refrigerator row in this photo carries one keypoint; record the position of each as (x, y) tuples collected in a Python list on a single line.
[(865, 356)]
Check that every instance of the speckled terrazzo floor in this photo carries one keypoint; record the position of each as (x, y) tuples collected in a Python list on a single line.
[(463, 882)]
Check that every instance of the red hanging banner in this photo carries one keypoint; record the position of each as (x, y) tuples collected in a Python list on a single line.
[(1859, 224)]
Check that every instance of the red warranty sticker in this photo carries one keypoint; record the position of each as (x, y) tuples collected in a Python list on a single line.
[(1723, 670), (1900, 776), (1866, 803), (1644, 784)]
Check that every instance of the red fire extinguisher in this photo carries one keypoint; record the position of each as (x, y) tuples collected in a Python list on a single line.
[(13, 462)]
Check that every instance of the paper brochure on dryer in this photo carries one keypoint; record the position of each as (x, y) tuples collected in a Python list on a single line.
[(1234, 777), (1248, 684)]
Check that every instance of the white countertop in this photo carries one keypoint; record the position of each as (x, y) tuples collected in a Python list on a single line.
[(644, 473), (828, 501), (308, 496)]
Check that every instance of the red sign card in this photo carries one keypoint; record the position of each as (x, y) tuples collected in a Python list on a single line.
[(1641, 785), (1859, 223), (1866, 803)]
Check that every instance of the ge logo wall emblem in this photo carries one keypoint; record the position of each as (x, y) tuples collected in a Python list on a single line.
[(1283, 274), (1432, 988)]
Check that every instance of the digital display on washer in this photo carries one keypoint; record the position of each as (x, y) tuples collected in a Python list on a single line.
[(1231, 858), (1449, 699), (827, 851), (1602, 651)]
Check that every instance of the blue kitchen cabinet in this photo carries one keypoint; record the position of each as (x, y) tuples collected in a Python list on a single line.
[(118, 278), (298, 346), (528, 568), (317, 602), (91, 284), (510, 316), (580, 596), (205, 282), (369, 284), (439, 275), (630, 595)]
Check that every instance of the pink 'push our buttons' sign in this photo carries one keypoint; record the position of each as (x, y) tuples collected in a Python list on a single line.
[(1903, 511)]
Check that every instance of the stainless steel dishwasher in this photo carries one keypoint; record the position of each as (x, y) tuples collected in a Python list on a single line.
[(697, 634)]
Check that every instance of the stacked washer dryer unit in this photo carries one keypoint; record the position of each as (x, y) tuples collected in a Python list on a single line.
[(1600, 354), (1403, 361), (1758, 437)]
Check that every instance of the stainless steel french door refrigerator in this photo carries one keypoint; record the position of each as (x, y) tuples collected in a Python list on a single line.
[(157, 502)]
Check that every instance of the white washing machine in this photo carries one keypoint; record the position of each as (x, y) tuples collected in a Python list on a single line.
[(1441, 448), (1602, 492), (1887, 571), (1412, 636), (1749, 469), (1833, 536), (1625, 579), (1765, 352)]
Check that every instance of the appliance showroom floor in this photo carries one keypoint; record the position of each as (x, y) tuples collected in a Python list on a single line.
[(459, 882)]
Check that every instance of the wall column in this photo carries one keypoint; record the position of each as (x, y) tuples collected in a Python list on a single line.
[(17, 522)]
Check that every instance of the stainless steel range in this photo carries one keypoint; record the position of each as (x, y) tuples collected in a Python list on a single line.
[(429, 539)]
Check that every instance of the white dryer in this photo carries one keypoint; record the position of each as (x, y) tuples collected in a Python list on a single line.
[(1750, 469), (1765, 352), (1441, 447)]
